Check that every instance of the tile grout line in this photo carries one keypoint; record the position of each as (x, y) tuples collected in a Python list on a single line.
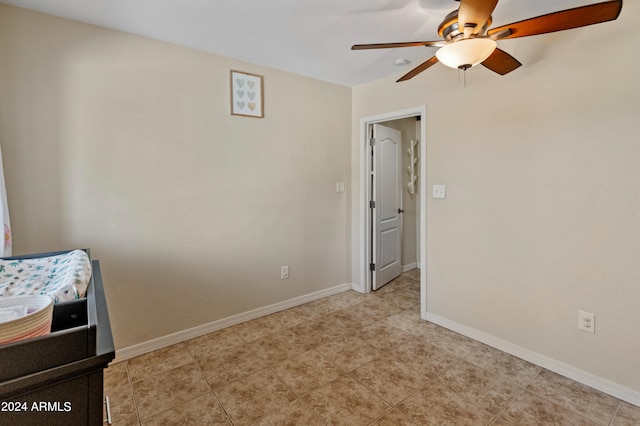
[(579, 414), (195, 364), (298, 396), (204, 376), (133, 393), (460, 361), (615, 413), (391, 407), (522, 389), (504, 377), (429, 381)]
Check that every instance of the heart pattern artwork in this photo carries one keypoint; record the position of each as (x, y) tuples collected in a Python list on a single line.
[(246, 92)]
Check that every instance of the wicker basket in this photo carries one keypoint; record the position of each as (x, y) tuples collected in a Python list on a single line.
[(36, 321)]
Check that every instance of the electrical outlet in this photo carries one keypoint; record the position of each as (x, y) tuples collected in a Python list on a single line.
[(587, 321), (284, 272), (439, 191)]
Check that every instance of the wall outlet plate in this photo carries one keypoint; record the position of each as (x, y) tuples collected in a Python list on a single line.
[(587, 321), (439, 191)]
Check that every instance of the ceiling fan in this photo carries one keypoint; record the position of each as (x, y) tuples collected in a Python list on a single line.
[(468, 39)]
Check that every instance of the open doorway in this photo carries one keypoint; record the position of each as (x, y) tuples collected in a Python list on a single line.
[(413, 122)]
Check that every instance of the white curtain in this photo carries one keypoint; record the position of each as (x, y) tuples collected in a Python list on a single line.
[(5, 241)]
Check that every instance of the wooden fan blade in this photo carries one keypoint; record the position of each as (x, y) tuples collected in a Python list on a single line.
[(402, 44), (563, 20), (474, 14), (501, 62), (417, 70)]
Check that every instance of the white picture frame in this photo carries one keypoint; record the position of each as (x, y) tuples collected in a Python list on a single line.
[(247, 97)]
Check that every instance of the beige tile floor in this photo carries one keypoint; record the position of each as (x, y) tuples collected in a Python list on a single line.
[(349, 359)]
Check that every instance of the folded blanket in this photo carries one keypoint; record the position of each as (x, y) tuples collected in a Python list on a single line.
[(63, 277)]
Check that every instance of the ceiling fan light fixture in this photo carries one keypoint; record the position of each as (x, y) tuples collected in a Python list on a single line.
[(463, 54)]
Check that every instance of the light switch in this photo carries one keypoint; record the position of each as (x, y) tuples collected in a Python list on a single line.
[(439, 191), (340, 187)]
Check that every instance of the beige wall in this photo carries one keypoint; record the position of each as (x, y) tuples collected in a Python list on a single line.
[(542, 215), (126, 145)]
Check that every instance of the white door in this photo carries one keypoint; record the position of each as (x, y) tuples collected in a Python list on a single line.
[(387, 205)]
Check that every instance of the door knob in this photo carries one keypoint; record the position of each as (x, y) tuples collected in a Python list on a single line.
[(400, 210)]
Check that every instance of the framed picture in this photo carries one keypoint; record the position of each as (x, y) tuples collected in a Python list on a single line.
[(246, 94)]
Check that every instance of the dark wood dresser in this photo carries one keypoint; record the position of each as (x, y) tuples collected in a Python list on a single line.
[(57, 379)]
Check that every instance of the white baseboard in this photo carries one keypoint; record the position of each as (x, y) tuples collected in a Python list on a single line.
[(621, 392), (409, 267), (201, 330), (358, 287)]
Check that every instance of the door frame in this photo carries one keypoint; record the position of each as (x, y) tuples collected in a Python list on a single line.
[(365, 220)]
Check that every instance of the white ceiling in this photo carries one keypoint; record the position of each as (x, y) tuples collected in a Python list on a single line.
[(307, 37)]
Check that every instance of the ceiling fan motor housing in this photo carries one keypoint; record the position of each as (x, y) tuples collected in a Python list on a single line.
[(449, 29)]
